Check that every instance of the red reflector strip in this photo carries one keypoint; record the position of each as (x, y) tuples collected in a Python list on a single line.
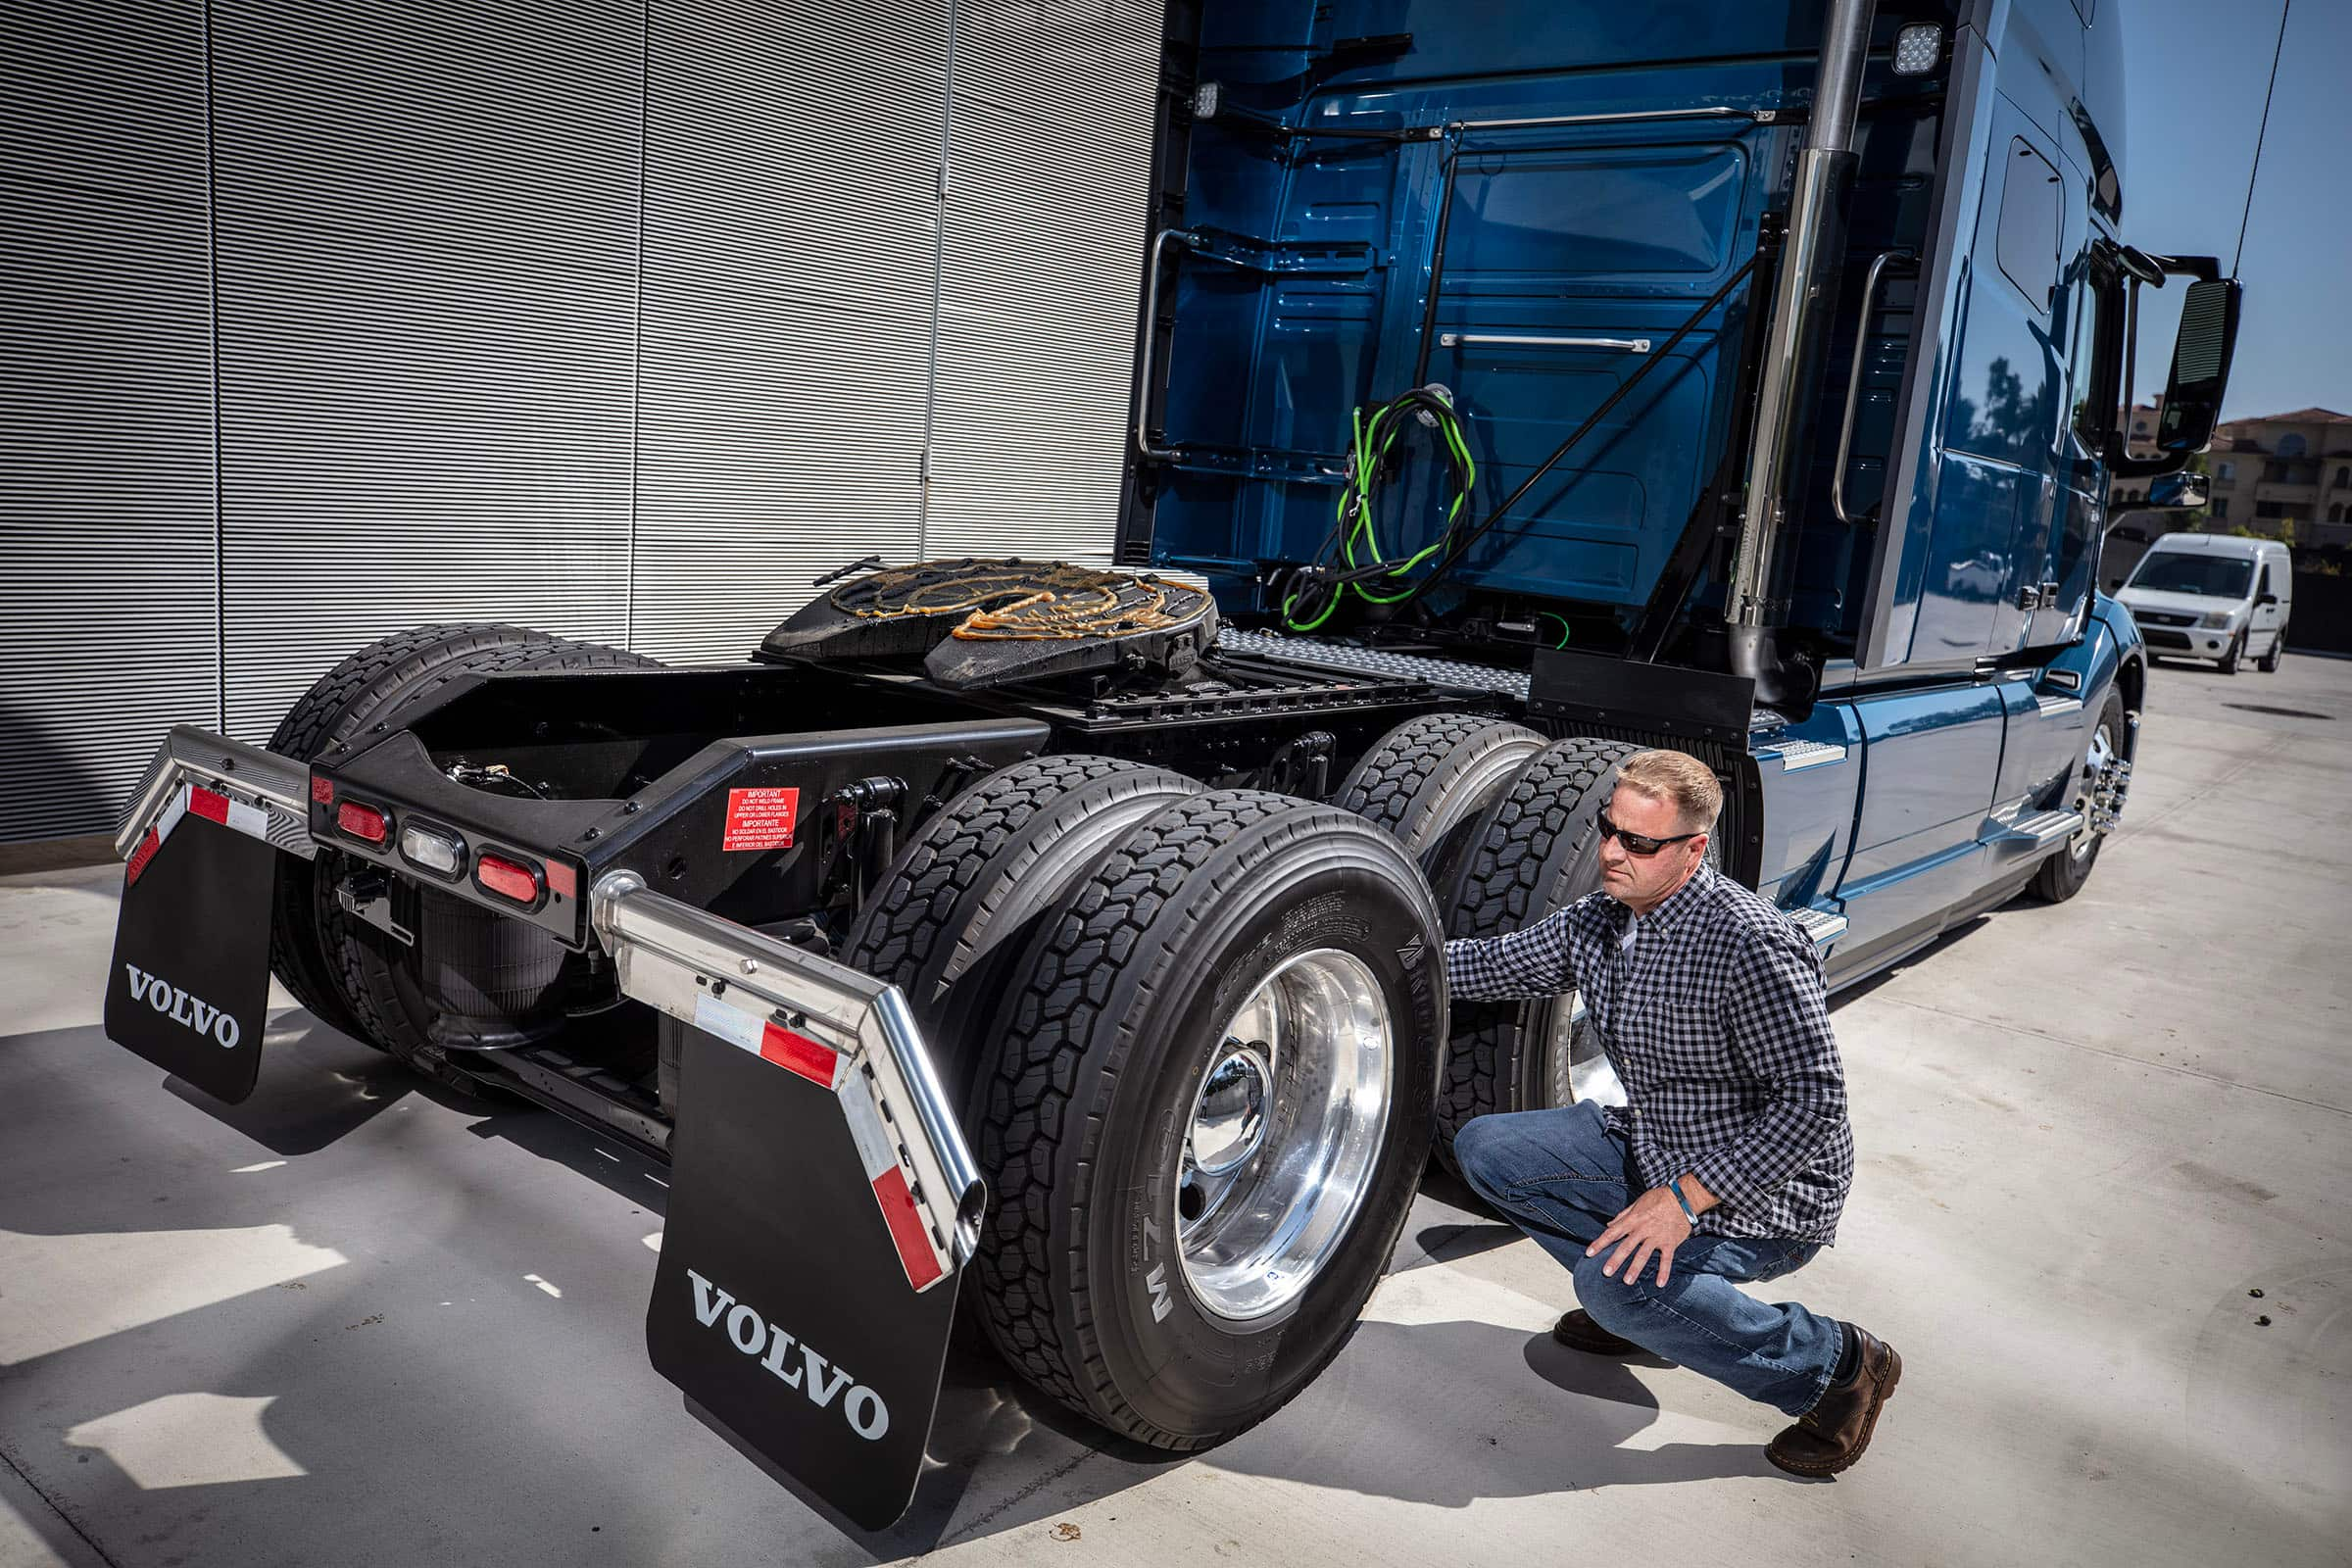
[(877, 1147), (560, 881), (362, 822), (907, 1229), (206, 804), (140, 857), (323, 790), (802, 1055), (506, 878)]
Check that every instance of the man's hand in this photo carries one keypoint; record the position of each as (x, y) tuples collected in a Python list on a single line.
[(1652, 1222)]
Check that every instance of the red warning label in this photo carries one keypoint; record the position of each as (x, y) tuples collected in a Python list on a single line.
[(762, 819)]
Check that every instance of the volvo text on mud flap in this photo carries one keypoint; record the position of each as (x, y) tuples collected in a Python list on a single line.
[(821, 1202), (189, 986)]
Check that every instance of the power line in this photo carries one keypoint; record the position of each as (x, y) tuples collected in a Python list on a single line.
[(2275, 50)]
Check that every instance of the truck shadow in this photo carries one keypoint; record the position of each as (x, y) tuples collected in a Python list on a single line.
[(1533, 1417), (1442, 1414), (1521, 1416), (316, 1086)]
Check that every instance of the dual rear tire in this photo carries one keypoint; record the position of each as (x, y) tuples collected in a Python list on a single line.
[(1201, 1051), (1503, 825), (1200, 1038)]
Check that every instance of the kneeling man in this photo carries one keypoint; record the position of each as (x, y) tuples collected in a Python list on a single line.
[(1730, 1159)]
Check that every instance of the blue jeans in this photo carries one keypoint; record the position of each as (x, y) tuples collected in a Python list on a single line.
[(1561, 1176)]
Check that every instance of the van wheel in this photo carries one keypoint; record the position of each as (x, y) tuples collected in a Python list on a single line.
[(2268, 664), (2237, 651), (2063, 874), (1209, 1114)]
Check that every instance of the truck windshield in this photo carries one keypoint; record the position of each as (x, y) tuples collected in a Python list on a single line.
[(2177, 571)]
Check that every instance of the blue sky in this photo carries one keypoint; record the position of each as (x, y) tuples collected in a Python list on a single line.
[(2193, 77)]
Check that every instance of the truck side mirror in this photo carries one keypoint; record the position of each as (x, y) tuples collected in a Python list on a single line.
[(2266, 599), (2192, 398), (2178, 491)]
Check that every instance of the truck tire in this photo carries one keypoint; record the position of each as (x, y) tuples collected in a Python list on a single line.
[(336, 707), (1182, 1236), (348, 973), (2063, 874), (2268, 664), (1427, 780), (962, 902), (2238, 653), (1534, 850)]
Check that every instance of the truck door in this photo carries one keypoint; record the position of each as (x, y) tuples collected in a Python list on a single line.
[(2087, 299), (2047, 731), (1989, 541)]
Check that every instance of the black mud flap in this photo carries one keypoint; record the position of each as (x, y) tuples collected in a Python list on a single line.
[(189, 989), (791, 1304)]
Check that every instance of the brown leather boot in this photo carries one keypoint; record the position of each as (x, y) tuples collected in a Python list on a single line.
[(1576, 1331), (1830, 1436)]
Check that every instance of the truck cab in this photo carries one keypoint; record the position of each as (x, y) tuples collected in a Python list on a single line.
[(1855, 450)]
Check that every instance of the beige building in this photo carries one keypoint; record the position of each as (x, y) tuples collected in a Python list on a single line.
[(2289, 476)]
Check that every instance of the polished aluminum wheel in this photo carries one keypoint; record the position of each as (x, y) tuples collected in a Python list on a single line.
[(1579, 1068), (1576, 1067), (1287, 1121)]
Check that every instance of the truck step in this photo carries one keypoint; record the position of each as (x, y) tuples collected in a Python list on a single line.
[(2040, 829), (1822, 926), (1795, 755)]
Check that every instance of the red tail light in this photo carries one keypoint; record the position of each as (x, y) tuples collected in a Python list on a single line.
[(508, 879), (363, 822)]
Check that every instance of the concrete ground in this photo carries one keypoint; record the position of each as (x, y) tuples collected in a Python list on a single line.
[(2101, 1144)]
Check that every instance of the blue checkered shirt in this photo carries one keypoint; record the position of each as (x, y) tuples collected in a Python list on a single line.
[(1717, 1024)]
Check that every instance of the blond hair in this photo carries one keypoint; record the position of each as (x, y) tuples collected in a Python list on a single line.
[(1679, 779)]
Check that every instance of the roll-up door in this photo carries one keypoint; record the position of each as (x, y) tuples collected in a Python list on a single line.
[(792, 168), (426, 233), (1041, 258), (107, 572)]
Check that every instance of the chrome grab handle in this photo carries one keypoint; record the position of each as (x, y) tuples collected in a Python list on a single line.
[(1627, 345), (1143, 391), (1854, 385), (1622, 117)]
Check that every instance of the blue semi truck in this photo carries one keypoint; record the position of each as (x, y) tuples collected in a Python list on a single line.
[(1517, 385)]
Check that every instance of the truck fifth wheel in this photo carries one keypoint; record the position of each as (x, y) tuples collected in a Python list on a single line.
[(1068, 941)]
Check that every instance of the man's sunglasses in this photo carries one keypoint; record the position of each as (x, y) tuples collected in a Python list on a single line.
[(1638, 843)]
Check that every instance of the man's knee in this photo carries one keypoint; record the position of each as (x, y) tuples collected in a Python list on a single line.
[(1616, 1304), (1478, 1148)]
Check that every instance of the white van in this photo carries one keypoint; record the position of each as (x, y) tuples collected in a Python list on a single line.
[(2213, 595)]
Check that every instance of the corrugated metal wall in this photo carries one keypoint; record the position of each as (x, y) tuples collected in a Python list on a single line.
[(792, 169), (425, 234), (621, 319), (1041, 258), (107, 579)]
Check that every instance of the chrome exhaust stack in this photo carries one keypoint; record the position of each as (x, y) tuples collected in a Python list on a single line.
[(1805, 301)]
